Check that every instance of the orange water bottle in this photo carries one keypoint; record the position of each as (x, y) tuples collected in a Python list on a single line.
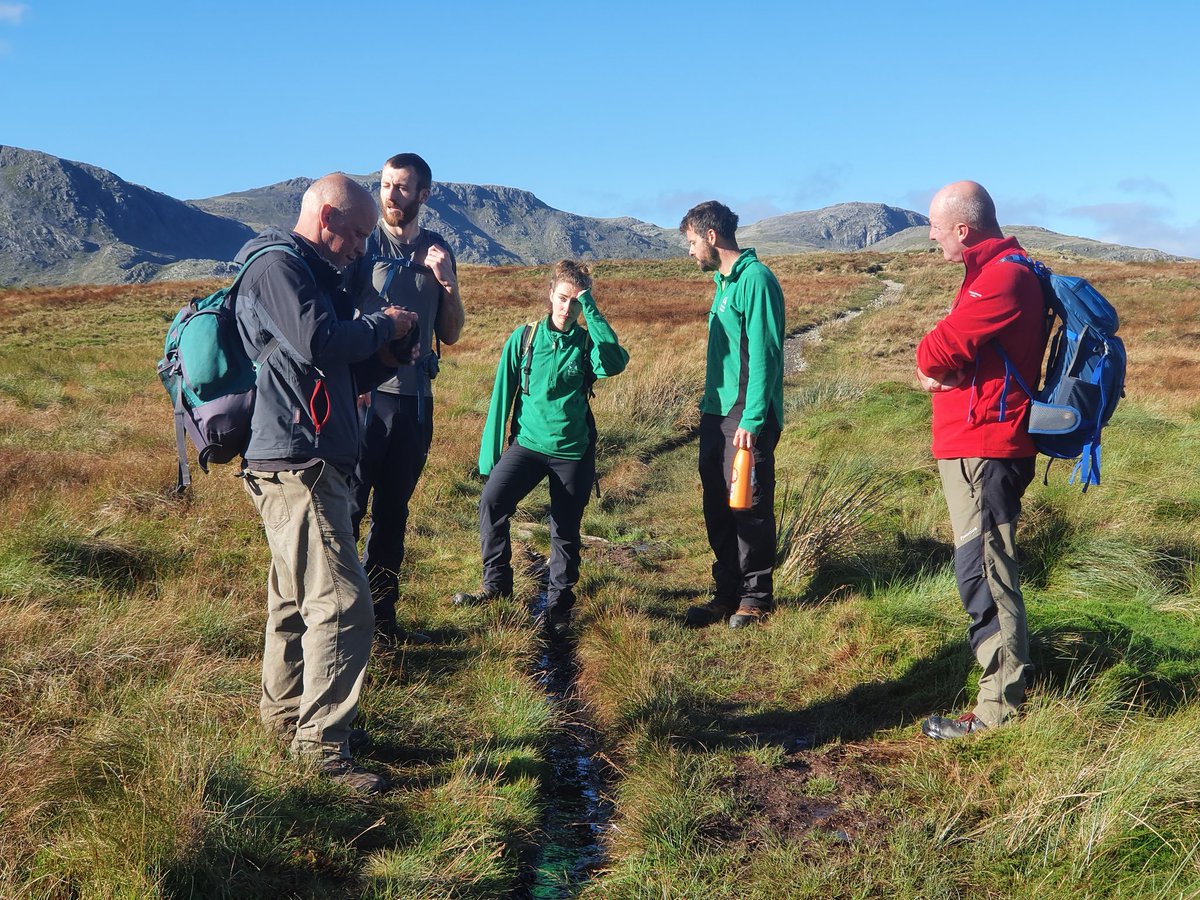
[(741, 480)]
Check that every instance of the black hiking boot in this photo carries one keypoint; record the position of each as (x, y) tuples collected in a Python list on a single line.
[(388, 632), (479, 598), (353, 777), (942, 728), (704, 614), (555, 626)]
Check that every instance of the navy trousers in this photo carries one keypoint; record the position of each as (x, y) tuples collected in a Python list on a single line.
[(517, 473)]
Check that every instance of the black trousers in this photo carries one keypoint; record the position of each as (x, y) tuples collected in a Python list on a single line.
[(518, 472), (393, 456), (743, 541)]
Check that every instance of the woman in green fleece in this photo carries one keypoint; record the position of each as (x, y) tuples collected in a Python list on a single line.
[(547, 368)]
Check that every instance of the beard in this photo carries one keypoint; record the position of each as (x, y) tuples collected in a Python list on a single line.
[(710, 261), (398, 218)]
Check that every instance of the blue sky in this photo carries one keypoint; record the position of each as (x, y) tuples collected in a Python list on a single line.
[(1080, 117)]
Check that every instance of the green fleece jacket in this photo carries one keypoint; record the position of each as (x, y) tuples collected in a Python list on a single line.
[(553, 417), (744, 376)]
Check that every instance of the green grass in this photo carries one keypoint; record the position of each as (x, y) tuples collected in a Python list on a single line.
[(779, 762)]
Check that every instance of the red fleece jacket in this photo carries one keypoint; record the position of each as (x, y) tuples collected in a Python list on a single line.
[(998, 302)]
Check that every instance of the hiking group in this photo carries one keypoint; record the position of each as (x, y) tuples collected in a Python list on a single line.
[(344, 317)]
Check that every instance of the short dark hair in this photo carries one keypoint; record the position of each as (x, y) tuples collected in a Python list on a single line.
[(711, 214), (414, 162)]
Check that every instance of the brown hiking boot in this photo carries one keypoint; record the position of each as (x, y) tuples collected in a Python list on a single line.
[(346, 772), (747, 615)]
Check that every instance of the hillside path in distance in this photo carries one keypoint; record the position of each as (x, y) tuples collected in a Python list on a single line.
[(793, 346)]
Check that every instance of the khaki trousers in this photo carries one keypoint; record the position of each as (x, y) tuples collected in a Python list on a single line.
[(319, 617), (984, 499)]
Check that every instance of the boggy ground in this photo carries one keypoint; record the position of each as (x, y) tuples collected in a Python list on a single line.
[(809, 796), (777, 762)]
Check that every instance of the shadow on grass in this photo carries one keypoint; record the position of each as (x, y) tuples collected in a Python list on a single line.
[(443, 655), (114, 566), (305, 840), (1045, 539), (903, 560), (1064, 657)]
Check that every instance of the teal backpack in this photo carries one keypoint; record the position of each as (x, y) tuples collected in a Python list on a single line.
[(209, 377)]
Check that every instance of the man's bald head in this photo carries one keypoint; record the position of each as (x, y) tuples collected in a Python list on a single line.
[(961, 215), (967, 202), (336, 216)]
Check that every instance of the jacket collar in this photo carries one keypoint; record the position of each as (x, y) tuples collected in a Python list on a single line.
[(988, 250), (324, 272), (739, 265)]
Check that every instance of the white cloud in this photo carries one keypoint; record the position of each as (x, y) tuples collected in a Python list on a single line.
[(1141, 225), (13, 13), (817, 188), (1145, 186), (1022, 210), (752, 209)]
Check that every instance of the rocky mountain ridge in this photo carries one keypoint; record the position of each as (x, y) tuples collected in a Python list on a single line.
[(65, 222)]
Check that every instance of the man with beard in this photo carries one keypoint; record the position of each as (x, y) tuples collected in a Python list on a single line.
[(742, 408), (405, 266)]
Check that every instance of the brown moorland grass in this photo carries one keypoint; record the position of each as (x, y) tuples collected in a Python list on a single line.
[(137, 605)]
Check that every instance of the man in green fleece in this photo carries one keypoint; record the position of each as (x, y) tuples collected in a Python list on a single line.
[(742, 408)]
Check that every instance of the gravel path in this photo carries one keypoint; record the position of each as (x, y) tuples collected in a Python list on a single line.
[(793, 347)]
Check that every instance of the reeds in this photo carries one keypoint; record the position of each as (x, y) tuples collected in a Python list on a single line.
[(827, 515)]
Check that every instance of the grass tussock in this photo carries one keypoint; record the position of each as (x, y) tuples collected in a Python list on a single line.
[(827, 516)]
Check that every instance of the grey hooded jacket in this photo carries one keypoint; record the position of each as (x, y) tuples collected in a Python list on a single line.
[(307, 388)]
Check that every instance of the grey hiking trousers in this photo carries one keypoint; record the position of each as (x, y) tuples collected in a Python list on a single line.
[(320, 622), (984, 498)]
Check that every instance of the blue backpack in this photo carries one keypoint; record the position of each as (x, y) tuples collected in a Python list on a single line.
[(1085, 372), (209, 377)]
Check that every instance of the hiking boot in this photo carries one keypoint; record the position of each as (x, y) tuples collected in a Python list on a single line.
[(388, 632), (346, 772), (555, 626), (479, 597), (942, 728), (704, 614), (747, 615)]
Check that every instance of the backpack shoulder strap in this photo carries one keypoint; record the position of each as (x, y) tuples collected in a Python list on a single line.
[(589, 373), (231, 296), (263, 251), (1045, 279), (527, 336)]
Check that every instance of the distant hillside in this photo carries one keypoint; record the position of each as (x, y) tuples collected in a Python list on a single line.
[(485, 224), (1037, 239), (844, 226), (67, 222)]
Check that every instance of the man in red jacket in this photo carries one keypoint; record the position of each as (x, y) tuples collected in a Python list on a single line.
[(980, 438)]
